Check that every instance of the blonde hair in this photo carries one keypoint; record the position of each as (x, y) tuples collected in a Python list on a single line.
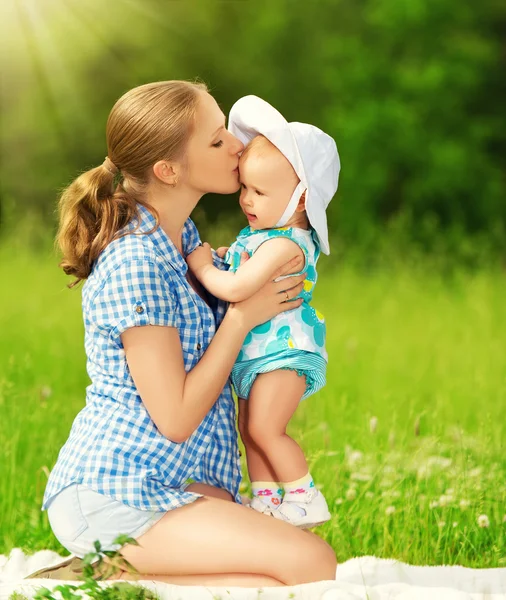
[(149, 123), (259, 146), (262, 147)]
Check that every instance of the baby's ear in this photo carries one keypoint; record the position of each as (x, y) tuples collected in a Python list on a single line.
[(301, 206)]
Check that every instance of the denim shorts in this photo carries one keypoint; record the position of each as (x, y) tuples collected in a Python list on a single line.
[(78, 516)]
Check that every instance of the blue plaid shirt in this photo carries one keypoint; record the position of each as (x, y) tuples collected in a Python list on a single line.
[(114, 447)]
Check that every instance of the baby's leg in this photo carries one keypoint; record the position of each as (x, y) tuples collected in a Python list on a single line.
[(273, 400), (259, 468)]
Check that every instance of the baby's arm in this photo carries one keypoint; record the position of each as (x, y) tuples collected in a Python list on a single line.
[(250, 276)]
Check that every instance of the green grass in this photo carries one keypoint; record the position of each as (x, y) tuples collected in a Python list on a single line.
[(419, 354)]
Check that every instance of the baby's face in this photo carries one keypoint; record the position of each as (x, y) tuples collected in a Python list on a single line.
[(267, 184)]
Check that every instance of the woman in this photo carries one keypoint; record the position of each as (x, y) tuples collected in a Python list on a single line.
[(154, 454)]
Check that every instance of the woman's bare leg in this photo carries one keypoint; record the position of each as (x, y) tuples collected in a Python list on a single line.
[(259, 468), (273, 399), (211, 542), (233, 579), (209, 491), (222, 580)]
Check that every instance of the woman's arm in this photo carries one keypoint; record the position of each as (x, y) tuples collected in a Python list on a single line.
[(249, 277), (178, 401)]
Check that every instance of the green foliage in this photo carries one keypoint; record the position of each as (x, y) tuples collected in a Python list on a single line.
[(101, 565), (412, 90), (417, 347)]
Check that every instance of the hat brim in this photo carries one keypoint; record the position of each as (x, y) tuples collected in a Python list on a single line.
[(317, 216), (251, 116)]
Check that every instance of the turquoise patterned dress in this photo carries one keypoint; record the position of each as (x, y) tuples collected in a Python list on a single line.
[(292, 340)]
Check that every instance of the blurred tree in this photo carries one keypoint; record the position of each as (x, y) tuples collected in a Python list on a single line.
[(412, 90)]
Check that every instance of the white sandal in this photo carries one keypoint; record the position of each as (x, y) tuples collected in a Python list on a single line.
[(312, 503)]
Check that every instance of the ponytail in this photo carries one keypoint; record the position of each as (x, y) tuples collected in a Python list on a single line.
[(149, 123), (91, 213)]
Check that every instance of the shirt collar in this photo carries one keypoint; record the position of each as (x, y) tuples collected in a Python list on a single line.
[(164, 246)]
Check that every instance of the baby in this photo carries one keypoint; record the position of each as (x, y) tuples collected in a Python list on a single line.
[(288, 174)]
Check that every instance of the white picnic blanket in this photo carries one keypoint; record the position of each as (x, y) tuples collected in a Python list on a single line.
[(364, 578)]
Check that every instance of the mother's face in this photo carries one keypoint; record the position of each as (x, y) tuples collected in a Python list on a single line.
[(212, 152)]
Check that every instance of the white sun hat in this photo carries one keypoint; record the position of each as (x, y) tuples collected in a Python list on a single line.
[(312, 153)]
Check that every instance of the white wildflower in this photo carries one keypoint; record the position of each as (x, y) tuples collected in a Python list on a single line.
[(439, 461), (454, 524), (354, 457), (433, 504), (339, 501), (445, 500), (483, 521), (441, 524), (464, 504), (475, 472), (390, 494), (373, 424), (361, 476), (389, 510), (45, 392), (370, 495), (351, 494)]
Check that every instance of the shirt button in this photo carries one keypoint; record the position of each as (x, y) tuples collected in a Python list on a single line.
[(139, 309), (199, 346)]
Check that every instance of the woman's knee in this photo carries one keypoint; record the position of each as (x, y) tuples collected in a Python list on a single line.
[(312, 561)]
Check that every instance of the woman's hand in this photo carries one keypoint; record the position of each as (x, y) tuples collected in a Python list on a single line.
[(272, 299)]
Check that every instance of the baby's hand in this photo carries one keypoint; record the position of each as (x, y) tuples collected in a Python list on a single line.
[(221, 251), (200, 258)]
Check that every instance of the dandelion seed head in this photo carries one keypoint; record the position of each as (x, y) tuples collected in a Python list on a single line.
[(354, 457), (361, 476), (483, 521), (439, 461), (45, 392), (445, 500), (464, 504), (441, 524), (433, 504), (351, 494), (389, 510)]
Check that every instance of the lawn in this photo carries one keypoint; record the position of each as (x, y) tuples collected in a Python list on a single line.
[(406, 440)]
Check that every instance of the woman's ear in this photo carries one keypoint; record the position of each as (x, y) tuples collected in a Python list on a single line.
[(301, 206), (165, 172)]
